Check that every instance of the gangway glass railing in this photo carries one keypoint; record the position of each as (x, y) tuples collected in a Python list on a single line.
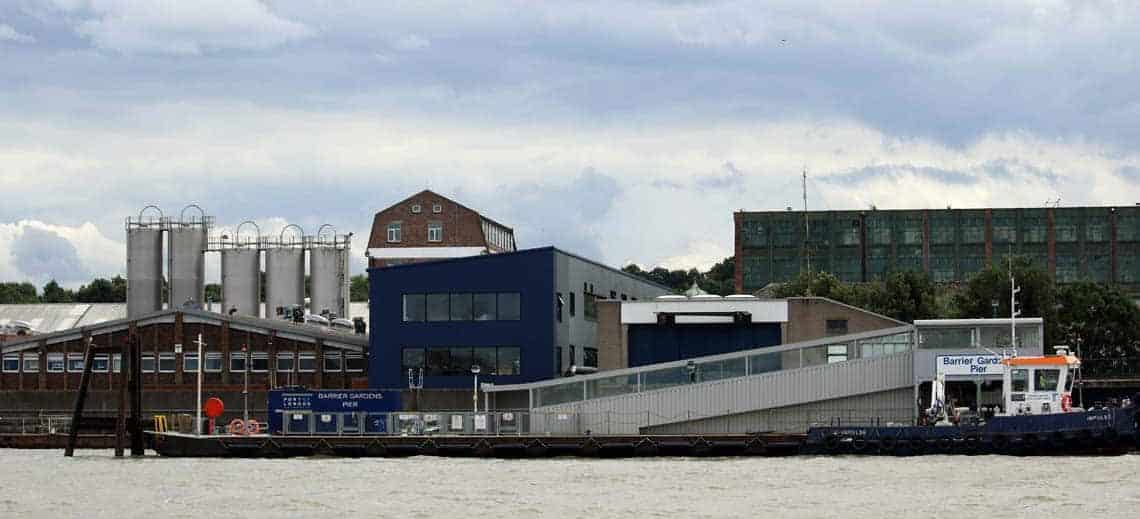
[(758, 361)]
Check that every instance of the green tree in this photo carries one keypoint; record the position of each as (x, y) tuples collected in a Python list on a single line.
[(990, 287), (720, 278), (18, 293), (1104, 322), (905, 296), (358, 288), (213, 292), (100, 290), (53, 293), (118, 290)]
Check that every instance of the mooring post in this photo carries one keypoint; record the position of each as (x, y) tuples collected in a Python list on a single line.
[(134, 383), (77, 415), (121, 417)]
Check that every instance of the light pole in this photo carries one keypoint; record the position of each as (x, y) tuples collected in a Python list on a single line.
[(475, 389)]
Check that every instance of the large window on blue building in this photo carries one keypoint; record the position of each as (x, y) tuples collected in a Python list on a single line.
[(457, 360), (463, 306)]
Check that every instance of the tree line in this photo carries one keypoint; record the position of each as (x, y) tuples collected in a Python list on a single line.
[(99, 290)]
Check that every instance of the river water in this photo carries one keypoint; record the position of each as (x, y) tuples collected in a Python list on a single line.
[(94, 484)]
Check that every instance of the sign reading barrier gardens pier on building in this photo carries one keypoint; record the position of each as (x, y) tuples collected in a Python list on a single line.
[(968, 365)]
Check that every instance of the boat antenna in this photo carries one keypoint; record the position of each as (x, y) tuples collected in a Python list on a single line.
[(1013, 310)]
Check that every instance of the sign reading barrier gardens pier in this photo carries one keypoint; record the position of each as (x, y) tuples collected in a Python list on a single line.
[(969, 365)]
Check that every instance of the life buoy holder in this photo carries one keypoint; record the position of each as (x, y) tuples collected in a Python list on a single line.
[(252, 427), (236, 427), (1066, 402)]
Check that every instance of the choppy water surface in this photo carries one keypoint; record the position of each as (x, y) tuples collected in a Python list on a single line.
[(94, 484)]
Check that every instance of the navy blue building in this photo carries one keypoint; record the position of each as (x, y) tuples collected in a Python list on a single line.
[(521, 316)]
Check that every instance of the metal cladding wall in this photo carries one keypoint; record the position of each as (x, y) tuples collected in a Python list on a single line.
[(284, 278), (530, 273), (652, 343), (187, 260), (328, 268), (144, 271), (241, 281)]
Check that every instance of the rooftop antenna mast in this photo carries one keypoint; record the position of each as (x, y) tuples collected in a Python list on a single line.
[(807, 225)]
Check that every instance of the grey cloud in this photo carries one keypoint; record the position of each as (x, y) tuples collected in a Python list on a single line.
[(893, 171), (44, 255), (1131, 173), (732, 178), (1007, 169)]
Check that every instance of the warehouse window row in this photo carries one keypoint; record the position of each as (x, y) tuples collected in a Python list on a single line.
[(457, 360), (257, 362), (464, 306)]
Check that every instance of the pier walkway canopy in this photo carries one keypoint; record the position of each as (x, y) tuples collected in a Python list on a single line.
[(785, 388)]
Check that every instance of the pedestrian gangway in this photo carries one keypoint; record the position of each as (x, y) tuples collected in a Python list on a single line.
[(632, 400)]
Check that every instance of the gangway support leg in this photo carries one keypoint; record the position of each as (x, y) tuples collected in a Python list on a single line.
[(80, 399)]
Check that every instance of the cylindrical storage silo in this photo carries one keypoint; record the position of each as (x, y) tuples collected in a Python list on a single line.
[(144, 270), (187, 267), (241, 281), (284, 278), (327, 273)]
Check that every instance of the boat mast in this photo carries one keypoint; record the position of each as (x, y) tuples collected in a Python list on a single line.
[(1013, 310)]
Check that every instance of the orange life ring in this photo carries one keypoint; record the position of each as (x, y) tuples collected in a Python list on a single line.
[(252, 426), (1066, 402), (236, 427)]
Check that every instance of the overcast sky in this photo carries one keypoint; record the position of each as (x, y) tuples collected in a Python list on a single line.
[(622, 131)]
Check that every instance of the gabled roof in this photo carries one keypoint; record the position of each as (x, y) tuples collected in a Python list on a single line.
[(449, 199), (284, 329)]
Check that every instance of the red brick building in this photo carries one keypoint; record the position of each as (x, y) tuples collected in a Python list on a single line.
[(428, 226)]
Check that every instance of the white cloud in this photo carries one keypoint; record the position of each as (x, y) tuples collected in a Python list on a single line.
[(177, 27), (8, 33), (102, 256)]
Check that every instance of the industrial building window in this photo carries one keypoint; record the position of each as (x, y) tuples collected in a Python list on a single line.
[(414, 309), (435, 232), (437, 307), (259, 362), (75, 363), (460, 307), (590, 357), (55, 363), (572, 304), (837, 326), (394, 232), (12, 363), (461, 361), (509, 306), (436, 208), (334, 363), (190, 362), (484, 357), (416, 208), (237, 362), (306, 362), (101, 363), (166, 363), (590, 307), (31, 363), (117, 362), (573, 356), (510, 361), (412, 359), (558, 305), (284, 361), (484, 307), (146, 363), (558, 360), (353, 362), (213, 362), (438, 361)]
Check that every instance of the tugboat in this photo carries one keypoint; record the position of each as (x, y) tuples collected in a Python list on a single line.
[(1037, 418)]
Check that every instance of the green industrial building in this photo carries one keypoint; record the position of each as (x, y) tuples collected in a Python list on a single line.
[(1100, 244)]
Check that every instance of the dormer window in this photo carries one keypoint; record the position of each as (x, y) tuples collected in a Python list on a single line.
[(436, 208), (417, 209)]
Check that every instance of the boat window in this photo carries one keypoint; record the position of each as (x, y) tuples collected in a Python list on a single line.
[(1069, 382), (1046, 379), (1019, 380)]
